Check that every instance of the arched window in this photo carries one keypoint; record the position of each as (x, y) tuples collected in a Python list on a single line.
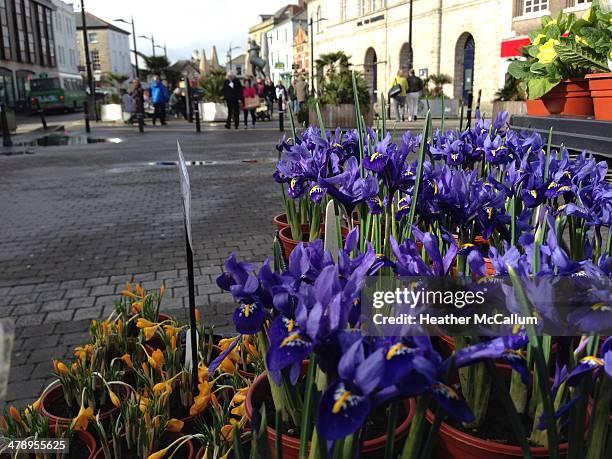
[(370, 65), (464, 66)]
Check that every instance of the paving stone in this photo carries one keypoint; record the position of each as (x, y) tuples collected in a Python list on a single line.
[(30, 320), (25, 298), (88, 313), (51, 295), (59, 316), (77, 293), (21, 289), (75, 339), (72, 284), (106, 300), (96, 281), (83, 302), (102, 290), (21, 372), (54, 305), (41, 341)]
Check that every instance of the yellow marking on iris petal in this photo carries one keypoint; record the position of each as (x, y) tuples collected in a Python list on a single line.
[(533, 193), (293, 182), (565, 188), (374, 156), (591, 358), (568, 174), (290, 339), (291, 325), (552, 185), (454, 156), (469, 244), (337, 145), (394, 350), (490, 212), (448, 391), (341, 402), (435, 187), (600, 306), (315, 189), (247, 310), (560, 208)]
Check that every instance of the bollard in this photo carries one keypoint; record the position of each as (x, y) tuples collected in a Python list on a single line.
[(141, 120), (469, 110), (43, 120), (6, 134), (281, 115), (86, 111), (196, 113)]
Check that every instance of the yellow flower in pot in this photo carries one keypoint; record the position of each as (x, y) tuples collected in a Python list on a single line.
[(547, 52)]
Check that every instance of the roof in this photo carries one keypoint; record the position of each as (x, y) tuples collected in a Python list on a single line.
[(94, 22)]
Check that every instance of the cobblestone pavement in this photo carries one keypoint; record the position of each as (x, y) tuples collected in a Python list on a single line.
[(77, 222)]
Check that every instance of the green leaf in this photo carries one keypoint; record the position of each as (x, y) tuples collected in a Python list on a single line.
[(519, 70), (580, 57), (537, 87)]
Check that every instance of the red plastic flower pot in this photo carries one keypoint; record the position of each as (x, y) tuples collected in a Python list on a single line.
[(456, 444), (57, 393), (569, 98), (600, 85), (89, 440), (373, 448), (280, 221), (289, 244)]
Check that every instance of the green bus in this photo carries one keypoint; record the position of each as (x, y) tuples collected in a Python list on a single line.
[(57, 94)]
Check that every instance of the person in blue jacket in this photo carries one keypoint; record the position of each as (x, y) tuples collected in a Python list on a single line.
[(159, 97)]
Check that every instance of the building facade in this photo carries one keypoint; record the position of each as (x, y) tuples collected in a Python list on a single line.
[(109, 47), (27, 48), (301, 54), (460, 38), (66, 48), (527, 16)]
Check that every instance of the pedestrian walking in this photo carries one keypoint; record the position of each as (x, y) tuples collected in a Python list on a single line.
[(416, 89), (281, 94), (137, 96), (292, 97), (232, 93), (178, 103), (269, 94), (398, 92), (250, 102), (159, 98), (260, 86), (126, 106), (301, 92)]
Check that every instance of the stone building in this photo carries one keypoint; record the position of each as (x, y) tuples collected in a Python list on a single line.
[(27, 48), (460, 38), (66, 47), (109, 46), (301, 54), (281, 41), (527, 15)]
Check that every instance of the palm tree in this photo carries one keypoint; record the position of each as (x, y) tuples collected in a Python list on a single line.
[(438, 80)]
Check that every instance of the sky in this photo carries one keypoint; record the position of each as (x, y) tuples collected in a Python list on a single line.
[(185, 25)]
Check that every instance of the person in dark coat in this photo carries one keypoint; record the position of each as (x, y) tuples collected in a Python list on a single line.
[(232, 93), (137, 95)]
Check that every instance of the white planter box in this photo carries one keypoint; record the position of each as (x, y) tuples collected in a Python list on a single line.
[(111, 113), (212, 111)]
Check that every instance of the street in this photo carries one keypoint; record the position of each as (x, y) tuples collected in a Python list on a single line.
[(79, 221)]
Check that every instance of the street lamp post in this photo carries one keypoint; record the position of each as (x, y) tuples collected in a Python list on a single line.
[(410, 35), (164, 48), (134, 38), (152, 40), (90, 79), (229, 56)]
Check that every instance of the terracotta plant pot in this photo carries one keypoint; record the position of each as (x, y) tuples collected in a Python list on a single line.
[(600, 85), (373, 448), (289, 243), (569, 98), (168, 438), (89, 441), (280, 221), (456, 444), (56, 393)]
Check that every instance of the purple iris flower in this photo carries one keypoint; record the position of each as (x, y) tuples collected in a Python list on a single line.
[(410, 262), (376, 157), (349, 187), (496, 152)]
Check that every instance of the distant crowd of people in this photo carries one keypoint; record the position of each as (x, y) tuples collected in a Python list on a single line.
[(258, 93), (135, 102)]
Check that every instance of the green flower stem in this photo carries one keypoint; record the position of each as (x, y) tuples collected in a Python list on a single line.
[(412, 447), (419, 175), (391, 421), (308, 409), (600, 424)]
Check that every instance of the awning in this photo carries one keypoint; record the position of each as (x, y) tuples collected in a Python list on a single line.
[(512, 47)]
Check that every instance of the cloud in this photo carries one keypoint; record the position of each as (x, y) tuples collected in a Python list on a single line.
[(185, 25)]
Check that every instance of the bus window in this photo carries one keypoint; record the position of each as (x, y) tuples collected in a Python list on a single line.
[(45, 84)]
